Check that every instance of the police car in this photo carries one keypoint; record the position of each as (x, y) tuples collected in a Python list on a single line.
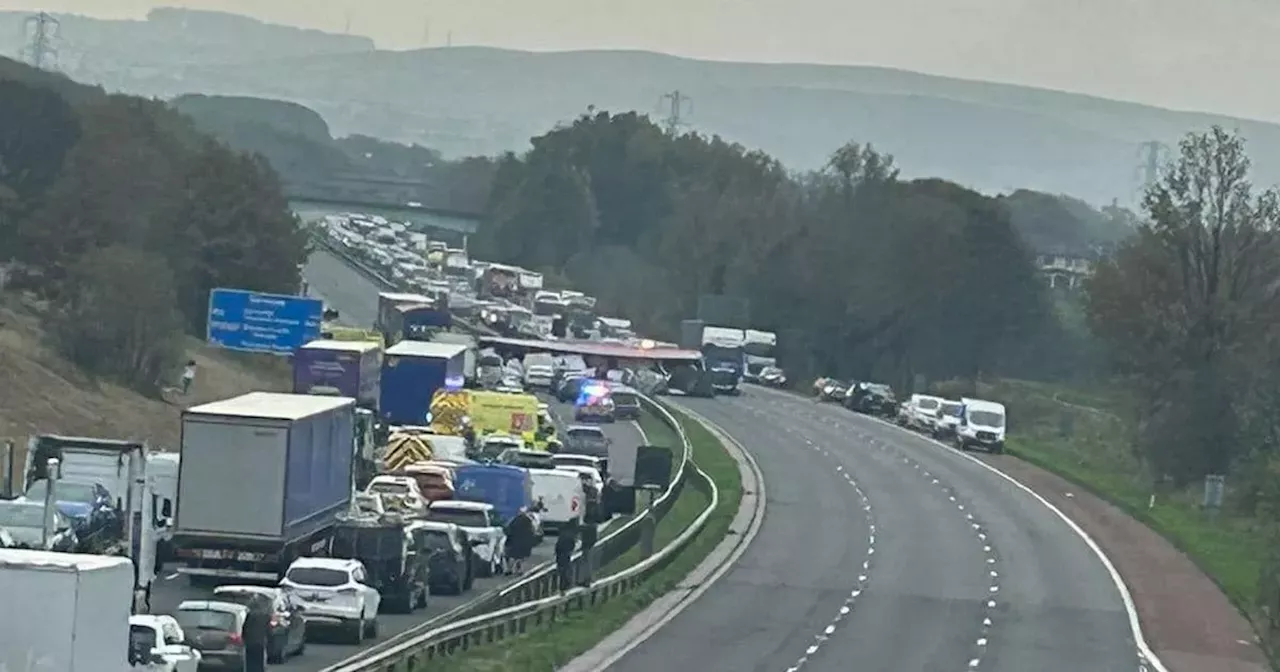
[(594, 403)]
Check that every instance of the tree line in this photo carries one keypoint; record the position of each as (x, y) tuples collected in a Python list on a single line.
[(862, 273), (120, 216)]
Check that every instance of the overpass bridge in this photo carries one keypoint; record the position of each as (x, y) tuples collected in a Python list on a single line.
[(424, 219)]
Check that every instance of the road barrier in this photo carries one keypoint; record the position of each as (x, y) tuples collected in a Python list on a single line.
[(535, 599)]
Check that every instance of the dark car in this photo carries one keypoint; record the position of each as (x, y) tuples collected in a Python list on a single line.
[(389, 553), (288, 629), (872, 399), (448, 556), (214, 628), (569, 389), (626, 402)]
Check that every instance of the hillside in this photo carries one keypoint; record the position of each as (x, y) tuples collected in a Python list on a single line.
[(43, 393), (481, 101)]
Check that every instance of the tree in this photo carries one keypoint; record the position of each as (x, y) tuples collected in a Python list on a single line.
[(117, 317), (1186, 304), (37, 129)]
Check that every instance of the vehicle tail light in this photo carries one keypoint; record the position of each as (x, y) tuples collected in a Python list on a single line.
[(235, 638)]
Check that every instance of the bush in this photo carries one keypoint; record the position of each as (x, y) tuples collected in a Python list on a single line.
[(117, 317)]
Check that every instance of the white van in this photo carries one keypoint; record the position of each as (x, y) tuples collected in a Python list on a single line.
[(561, 493), (982, 424), (923, 411)]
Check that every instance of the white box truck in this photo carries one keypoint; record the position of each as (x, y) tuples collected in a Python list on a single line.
[(263, 479), (67, 612)]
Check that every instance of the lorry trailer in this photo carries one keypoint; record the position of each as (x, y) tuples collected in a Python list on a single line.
[(68, 612), (412, 371), (263, 480)]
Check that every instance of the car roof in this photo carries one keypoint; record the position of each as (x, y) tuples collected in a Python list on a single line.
[(577, 456), (267, 591), (590, 428), (213, 605), (983, 405), (461, 505), (342, 564)]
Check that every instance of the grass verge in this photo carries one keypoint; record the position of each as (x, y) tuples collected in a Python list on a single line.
[(545, 649), (1084, 439)]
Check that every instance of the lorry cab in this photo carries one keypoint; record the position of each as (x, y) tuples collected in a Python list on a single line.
[(982, 424)]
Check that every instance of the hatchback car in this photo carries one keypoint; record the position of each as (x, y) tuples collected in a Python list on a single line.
[(213, 628), (335, 592), (288, 628)]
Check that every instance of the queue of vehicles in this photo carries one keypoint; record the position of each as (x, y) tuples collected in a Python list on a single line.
[(966, 423)]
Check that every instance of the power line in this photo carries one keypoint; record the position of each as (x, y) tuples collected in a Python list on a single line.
[(675, 103), (40, 33)]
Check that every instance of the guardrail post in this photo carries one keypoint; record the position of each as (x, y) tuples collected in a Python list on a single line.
[(648, 533)]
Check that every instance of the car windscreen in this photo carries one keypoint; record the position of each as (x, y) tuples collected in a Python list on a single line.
[(437, 540), (389, 488), (67, 491), (206, 619), (986, 418), (459, 517), (584, 433), (953, 410), (625, 399), (316, 576)]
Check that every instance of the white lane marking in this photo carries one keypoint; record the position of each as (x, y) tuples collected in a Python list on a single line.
[(993, 587), (1146, 655), (849, 601)]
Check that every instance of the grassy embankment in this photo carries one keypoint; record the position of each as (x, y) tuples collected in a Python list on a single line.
[(1086, 437), (545, 649)]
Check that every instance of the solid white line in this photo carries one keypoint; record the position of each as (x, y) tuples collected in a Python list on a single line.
[(743, 542), (1125, 596)]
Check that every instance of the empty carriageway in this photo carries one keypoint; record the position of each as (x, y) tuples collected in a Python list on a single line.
[(883, 552)]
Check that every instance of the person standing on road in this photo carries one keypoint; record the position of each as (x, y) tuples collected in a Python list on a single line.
[(257, 626), (519, 541), (565, 544)]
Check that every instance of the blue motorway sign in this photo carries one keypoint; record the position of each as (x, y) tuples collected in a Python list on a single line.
[(254, 322)]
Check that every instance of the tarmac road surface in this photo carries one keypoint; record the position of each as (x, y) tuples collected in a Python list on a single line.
[(883, 552), (356, 300)]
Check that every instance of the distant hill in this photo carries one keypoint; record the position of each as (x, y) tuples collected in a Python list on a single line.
[(472, 100)]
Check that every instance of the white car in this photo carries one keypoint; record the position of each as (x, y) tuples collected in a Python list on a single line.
[(496, 444), (538, 375), (334, 591), (398, 493), (157, 642), (480, 521), (948, 418), (923, 411)]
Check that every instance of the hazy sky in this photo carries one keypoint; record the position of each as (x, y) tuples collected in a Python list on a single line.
[(1217, 56)]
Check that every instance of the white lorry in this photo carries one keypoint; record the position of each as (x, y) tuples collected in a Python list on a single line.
[(263, 479), (67, 612)]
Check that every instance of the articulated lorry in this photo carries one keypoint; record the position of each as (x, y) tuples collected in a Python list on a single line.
[(264, 479), (723, 353)]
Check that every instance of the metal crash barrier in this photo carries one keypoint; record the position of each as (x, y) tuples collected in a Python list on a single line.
[(535, 599)]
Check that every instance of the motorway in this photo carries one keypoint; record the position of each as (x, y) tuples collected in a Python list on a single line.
[(881, 551), (356, 300)]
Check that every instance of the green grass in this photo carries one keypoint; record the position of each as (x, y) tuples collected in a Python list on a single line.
[(1094, 450), (545, 649)]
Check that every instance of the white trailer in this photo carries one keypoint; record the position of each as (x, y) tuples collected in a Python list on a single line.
[(67, 612)]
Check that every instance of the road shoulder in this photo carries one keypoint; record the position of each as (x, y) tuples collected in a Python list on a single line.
[(742, 530), (1186, 619)]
